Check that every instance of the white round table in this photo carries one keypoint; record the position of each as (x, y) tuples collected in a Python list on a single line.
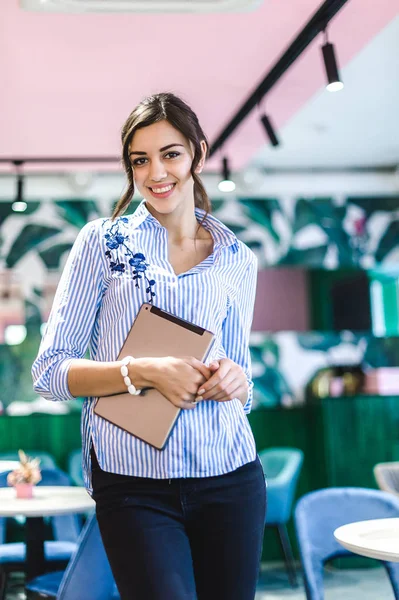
[(377, 538), (8, 465), (47, 501)]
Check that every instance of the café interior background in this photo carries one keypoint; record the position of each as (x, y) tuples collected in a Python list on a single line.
[(320, 210)]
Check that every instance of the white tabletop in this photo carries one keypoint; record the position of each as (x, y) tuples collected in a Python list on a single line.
[(47, 501), (8, 465), (378, 538)]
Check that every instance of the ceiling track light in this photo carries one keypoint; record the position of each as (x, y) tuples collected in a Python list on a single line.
[(330, 62), (225, 170), (226, 184), (317, 23), (271, 134), (19, 205)]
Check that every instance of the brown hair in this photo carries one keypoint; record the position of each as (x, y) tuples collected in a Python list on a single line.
[(160, 107)]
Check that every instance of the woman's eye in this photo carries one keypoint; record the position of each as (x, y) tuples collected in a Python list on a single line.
[(172, 154), (138, 162)]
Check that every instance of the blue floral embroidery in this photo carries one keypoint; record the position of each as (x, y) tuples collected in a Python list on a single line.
[(114, 239)]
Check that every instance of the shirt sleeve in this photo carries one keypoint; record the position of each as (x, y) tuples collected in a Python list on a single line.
[(237, 325), (72, 317)]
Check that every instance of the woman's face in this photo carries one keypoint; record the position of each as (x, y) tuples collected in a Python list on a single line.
[(161, 160)]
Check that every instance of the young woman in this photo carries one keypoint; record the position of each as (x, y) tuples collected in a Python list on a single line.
[(187, 521)]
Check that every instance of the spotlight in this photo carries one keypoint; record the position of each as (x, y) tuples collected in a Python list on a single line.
[(226, 184), (269, 130), (19, 205), (334, 82), (14, 334)]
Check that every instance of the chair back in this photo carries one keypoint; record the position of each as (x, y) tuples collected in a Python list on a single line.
[(46, 460), (319, 513), (88, 568), (387, 476), (282, 467), (66, 528)]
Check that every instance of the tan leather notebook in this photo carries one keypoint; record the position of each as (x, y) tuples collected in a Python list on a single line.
[(155, 332)]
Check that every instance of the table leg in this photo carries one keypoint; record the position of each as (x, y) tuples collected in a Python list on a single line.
[(35, 535)]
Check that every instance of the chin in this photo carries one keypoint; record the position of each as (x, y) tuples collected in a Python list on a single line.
[(163, 207)]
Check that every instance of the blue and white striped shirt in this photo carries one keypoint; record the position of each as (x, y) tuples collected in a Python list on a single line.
[(94, 308)]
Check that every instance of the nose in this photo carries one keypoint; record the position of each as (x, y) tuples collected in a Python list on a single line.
[(157, 171)]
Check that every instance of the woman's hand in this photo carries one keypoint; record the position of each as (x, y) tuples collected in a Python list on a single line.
[(178, 379), (228, 381)]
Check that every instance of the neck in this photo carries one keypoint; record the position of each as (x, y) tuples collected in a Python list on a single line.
[(181, 224)]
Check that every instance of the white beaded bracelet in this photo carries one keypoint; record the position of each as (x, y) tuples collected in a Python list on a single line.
[(125, 374)]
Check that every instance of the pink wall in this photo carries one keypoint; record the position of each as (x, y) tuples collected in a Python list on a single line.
[(281, 300)]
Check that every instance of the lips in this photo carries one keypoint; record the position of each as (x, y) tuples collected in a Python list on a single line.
[(162, 191)]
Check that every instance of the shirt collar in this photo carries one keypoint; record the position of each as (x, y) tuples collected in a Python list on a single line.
[(222, 235)]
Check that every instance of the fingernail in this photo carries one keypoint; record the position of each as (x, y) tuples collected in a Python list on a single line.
[(200, 392), (199, 398)]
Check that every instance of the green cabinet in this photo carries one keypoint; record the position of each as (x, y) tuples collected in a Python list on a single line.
[(359, 432)]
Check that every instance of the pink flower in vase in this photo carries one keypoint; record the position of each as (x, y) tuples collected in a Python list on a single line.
[(25, 476)]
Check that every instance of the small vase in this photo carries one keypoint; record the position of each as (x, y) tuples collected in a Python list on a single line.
[(24, 490)]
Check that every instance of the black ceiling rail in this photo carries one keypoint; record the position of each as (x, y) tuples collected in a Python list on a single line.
[(312, 29)]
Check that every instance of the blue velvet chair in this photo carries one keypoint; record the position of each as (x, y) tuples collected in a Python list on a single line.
[(319, 513), (88, 574), (75, 467), (282, 467), (46, 460), (65, 529)]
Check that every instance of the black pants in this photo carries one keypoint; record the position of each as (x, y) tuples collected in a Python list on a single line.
[(183, 539)]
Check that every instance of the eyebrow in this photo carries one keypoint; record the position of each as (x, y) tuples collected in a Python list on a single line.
[(161, 149)]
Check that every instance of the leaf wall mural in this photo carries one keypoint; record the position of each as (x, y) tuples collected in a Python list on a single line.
[(312, 257), (52, 256), (77, 212), (262, 213), (32, 235), (371, 204), (348, 240), (388, 242)]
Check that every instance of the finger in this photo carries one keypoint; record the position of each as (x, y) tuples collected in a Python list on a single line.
[(199, 366), (188, 404), (231, 392), (183, 404), (182, 399), (229, 384), (214, 380), (214, 365), (220, 387), (225, 373)]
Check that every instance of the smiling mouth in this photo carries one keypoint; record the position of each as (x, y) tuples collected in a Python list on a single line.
[(164, 189)]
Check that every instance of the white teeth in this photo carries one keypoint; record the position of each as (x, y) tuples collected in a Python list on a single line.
[(162, 190)]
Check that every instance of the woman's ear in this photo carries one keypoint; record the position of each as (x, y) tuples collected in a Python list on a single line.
[(201, 163)]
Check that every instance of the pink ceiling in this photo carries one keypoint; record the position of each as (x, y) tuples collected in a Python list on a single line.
[(69, 81)]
